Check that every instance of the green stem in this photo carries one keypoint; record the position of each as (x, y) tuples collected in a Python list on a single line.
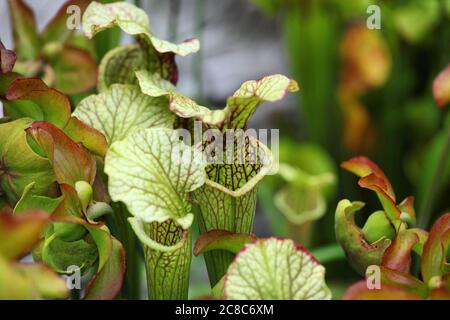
[(221, 211), (426, 208), (328, 253), (122, 231)]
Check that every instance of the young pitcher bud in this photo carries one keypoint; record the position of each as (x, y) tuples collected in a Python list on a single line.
[(378, 226), (69, 232), (98, 209), (85, 192)]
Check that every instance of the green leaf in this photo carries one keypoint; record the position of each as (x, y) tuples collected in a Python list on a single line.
[(152, 54), (19, 164), (91, 139), (184, 107), (106, 283), (13, 284), (222, 240), (75, 70), (152, 172), (363, 167), (32, 98), (131, 20), (29, 281), (19, 234), (434, 259), (30, 201), (244, 102), (122, 110), (240, 107), (60, 255), (403, 280), (398, 255), (70, 210), (71, 162), (378, 226), (25, 32), (373, 178), (359, 252), (46, 282), (275, 269)]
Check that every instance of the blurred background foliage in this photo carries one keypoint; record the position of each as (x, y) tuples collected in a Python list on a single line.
[(363, 92)]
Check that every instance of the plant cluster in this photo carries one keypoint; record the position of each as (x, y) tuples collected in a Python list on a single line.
[(111, 180)]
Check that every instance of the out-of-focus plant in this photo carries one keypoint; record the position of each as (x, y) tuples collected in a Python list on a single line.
[(18, 280), (368, 90), (436, 175), (305, 182), (57, 55), (366, 64), (388, 239)]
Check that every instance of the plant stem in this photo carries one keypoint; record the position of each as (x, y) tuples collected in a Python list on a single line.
[(123, 232), (218, 210), (328, 253), (432, 192)]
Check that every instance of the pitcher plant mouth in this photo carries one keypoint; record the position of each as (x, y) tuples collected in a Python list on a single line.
[(145, 233), (261, 168)]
